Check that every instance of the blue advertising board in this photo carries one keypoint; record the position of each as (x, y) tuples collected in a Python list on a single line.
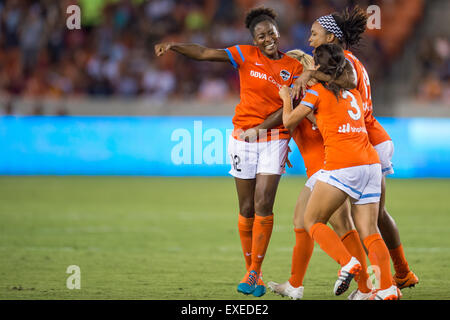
[(179, 146)]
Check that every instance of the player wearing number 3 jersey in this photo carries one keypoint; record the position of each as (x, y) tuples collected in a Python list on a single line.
[(351, 170), (345, 29)]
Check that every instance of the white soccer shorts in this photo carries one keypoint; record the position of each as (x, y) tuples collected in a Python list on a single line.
[(385, 152), (251, 158), (310, 183), (361, 183)]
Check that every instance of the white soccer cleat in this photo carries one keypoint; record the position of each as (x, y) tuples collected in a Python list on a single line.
[(386, 294), (358, 295), (346, 274), (286, 290)]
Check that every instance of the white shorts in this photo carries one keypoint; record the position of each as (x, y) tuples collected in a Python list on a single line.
[(310, 183), (251, 158), (385, 152), (362, 183)]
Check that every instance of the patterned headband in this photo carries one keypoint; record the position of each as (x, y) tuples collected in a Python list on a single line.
[(329, 24)]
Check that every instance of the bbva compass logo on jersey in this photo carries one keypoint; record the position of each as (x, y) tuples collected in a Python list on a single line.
[(285, 75)]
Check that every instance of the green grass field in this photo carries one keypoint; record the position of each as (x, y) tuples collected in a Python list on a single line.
[(176, 238)]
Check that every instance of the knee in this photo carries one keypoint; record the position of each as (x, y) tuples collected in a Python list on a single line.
[(246, 209), (309, 221), (384, 218), (298, 222), (342, 226), (264, 205)]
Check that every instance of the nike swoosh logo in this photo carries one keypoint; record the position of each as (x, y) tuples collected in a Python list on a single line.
[(258, 64), (260, 256), (248, 254), (401, 284)]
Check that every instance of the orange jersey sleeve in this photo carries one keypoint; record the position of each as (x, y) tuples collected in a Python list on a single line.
[(341, 124), (309, 141), (260, 80), (376, 132)]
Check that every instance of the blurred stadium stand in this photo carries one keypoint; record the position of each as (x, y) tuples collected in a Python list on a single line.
[(108, 67)]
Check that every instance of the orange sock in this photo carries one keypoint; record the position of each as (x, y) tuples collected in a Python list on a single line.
[(304, 246), (329, 241), (262, 230), (352, 243), (400, 264), (245, 226), (379, 256)]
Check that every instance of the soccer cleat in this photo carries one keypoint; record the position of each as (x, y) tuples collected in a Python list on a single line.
[(260, 287), (407, 282), (358, 295), (286, 290), (346, 274), (386, 294), (248, 283)]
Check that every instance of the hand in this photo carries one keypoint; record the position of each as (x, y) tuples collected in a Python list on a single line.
[(162, 48), (250, 135), (289, 164), (305, 79), (312, 118), (285, 92)]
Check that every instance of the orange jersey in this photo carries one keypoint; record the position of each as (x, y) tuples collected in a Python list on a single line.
[(260, 80), (309, 141), (341, 123), (376, 132)]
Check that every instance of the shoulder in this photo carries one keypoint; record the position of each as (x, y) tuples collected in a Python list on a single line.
[(246, 49), (318, 88)]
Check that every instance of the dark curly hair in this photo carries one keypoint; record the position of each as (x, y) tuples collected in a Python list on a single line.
[(331, 59), (352, 23), (256, 15)]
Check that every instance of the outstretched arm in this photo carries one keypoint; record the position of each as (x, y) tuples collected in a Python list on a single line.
[(193, 51)]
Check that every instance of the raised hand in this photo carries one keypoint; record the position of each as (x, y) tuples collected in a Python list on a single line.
[(162, 48)]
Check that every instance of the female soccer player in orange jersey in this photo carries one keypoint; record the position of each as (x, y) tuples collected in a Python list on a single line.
[(345, 29), (310, 143), (256, 165), (351, 170)]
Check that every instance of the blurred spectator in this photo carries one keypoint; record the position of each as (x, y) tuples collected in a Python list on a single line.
[(8, 108), (112, 54), (434, 60)]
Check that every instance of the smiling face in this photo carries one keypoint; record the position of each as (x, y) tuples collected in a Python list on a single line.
[(319, 35), (265, 36)]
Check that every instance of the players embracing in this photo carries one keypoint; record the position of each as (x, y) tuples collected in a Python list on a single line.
[(355, 154)]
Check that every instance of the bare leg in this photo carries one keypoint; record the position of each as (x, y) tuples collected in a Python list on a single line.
[(300, 207), (265, 192), (246, 195), (341, 220), (323, 202), (386, 223)]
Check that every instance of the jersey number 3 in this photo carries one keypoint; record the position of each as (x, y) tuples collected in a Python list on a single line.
[(354, 104)]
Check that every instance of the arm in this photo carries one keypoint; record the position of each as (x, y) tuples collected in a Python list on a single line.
[(272, 121), (193, 51), (292, 117), (346, 80)]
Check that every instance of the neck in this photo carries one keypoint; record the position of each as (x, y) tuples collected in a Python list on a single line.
[(275, 56)]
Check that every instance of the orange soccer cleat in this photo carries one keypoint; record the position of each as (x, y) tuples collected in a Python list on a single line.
[(410, 280)]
